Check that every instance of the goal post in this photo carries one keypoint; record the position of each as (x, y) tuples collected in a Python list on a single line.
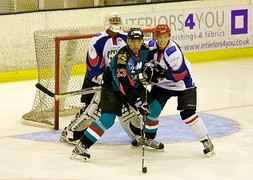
[(60, 57), (65, 74)]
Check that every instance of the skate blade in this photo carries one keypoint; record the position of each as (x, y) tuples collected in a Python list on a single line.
[(78, 157), (154, 149), (72, 142), (148, 148)]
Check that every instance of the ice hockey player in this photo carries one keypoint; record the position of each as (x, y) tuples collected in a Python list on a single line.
[(173, 77), (122, 86), (102, 48)]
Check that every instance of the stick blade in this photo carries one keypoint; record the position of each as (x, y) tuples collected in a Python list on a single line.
[(144, 170)]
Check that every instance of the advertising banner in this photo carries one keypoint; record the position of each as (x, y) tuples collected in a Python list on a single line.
[(205, 29)]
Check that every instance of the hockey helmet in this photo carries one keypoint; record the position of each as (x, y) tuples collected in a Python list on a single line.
[(135, 33), (113, 21), (162, 29)]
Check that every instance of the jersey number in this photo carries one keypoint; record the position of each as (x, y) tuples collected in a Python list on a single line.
[(121, 72)]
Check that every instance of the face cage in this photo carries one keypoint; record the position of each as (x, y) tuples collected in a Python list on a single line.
[(115, 20), (114, 24), (162, 31)]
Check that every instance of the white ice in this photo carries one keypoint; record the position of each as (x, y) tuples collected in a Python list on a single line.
[(225, 88)]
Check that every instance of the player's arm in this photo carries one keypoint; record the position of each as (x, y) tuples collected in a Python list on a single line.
[(95, 61), (93, 71), (177, 69)]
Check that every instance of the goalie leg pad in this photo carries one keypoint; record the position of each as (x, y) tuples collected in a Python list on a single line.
[(130, 121), (91, 113)]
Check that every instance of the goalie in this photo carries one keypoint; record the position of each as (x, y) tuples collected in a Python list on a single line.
[(102, 48)]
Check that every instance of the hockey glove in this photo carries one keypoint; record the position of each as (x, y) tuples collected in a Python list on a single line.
[(159, 74), (148, 71), (142, 106)]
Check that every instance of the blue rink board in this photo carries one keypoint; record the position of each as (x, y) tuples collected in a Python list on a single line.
[(171, 130)]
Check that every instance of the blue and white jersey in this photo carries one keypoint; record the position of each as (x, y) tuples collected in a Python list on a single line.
[(102, 49), (176, 67)]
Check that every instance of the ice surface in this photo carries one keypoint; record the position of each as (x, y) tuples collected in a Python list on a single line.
[(225, 102)]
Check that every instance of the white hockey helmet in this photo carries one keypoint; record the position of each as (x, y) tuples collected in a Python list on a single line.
[(113, 21)]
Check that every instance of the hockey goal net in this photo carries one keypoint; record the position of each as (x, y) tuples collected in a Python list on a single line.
[(60, 56)]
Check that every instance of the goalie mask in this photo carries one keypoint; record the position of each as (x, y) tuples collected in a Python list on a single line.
[(113, 21)]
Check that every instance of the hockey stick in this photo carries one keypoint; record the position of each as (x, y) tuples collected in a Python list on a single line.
[(144, 168), (67, 94), (72, 93)]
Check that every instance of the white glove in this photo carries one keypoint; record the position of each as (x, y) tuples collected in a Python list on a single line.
[(148, 71), (98, 79), (142, 106)]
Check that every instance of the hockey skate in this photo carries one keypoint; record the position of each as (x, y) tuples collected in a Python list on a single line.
[(148, 142), (80, 152), (208, 147), (65, 133), (64, 137)]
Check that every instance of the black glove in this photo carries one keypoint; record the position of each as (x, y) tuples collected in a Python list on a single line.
[(148, 71), (142, 106), (159, 73)]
